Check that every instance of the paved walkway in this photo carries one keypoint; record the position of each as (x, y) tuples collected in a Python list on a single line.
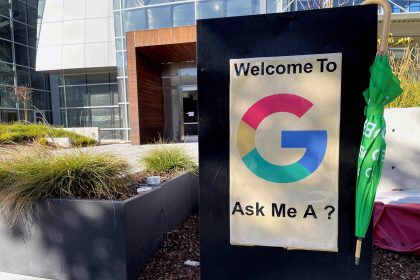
[(10, 276), (132, 153)]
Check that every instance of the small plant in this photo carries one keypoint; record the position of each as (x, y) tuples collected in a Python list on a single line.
[(22, 94), (166, 158), (28, 175)]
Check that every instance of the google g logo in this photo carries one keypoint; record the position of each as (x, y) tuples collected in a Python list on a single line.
[(314, 141)]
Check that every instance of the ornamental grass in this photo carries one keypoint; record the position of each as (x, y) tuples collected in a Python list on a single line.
[(21, 132), (30, 174), (168, 158)]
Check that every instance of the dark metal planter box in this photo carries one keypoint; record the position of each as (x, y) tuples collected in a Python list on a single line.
[(97, 239)]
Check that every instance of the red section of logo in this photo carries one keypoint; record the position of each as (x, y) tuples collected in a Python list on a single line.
[(276, 103)]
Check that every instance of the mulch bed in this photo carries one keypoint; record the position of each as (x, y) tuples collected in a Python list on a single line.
[(392, 266), (182, 244)]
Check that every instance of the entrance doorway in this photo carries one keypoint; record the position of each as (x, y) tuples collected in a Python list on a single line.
[(180, 96), (190, 118)]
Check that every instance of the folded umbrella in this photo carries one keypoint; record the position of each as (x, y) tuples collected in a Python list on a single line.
[(383, 88)]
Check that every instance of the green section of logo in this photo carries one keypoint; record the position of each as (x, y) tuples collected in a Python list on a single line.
[(272, 172)]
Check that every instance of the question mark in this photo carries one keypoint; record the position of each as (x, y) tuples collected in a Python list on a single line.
[(331, 211)]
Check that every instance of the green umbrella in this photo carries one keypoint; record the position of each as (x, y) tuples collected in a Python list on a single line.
[(384, 87)]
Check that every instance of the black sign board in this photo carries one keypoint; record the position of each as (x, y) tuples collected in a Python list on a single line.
[(350, 31)]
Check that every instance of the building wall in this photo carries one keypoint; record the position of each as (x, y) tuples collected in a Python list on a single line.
[(75, 34), (76, 45), (18, 21)]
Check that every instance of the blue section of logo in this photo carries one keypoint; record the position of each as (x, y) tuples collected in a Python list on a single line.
[(314, 141)]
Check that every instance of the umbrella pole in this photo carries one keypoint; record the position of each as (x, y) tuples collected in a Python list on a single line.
[(358, 250)]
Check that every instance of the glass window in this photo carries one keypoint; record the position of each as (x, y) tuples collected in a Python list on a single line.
[(120, 64), (22, 76), (62, 97), (4, 8), (399, 6), (414, 6), (43, 116), (272, 6), (210, 9), (32, 57), (117, 24), (188, 71), (117, 4), (34, 3), (32, 15), (184, 14), (121, 97), (19, 31), (118, 44), (125, 64), (32, 37), (21, 55), (40, 100), (135, 20), (6, 97), (102, 118), (154, 2), (97, 78), (77, 96), (5, 30), (9, 115), (19, 11), (75, 79), (133, 3), (122, 113), (6, 74), (113, 77), (6, 51), (159, 17), (238, 7), (77, 117), (37, 80), (61, 80), (100, 95), (110, 134), (114, 92)]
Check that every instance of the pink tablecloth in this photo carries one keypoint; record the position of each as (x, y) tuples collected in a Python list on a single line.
[(397, 227)]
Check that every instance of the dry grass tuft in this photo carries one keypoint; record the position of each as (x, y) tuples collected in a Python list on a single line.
[(407, 69)]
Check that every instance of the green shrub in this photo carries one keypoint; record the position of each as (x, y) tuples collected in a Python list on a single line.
[(30, 174), (164, 158), (19, 132)]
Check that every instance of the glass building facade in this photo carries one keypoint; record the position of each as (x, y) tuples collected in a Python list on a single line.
[(132, 15), (91, 100), (98, 96), (18, 38)]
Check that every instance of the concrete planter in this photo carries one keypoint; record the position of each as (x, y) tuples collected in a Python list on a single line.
[(97, 239)]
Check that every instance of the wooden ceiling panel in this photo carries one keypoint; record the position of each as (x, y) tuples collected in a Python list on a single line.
[(170, 53)]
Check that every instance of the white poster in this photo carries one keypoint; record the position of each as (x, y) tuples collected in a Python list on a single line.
[(284, 151)]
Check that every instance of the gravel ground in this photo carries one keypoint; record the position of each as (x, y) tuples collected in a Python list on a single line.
[(183, 244)]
